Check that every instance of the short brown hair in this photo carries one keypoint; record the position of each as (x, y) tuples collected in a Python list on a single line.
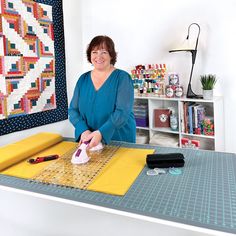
[(102, 41)]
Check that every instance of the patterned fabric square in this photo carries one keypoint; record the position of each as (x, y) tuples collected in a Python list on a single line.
[(32, 64)]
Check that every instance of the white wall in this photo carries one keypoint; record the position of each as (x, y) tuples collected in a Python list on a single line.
[(144, 32)]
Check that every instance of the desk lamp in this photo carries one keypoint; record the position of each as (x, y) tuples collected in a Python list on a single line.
[(190, 93)]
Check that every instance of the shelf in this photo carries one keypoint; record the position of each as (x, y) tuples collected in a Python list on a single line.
[(155, 97), (144, 128), (182, 99), (165, 130), (213, 108), (199, 136)]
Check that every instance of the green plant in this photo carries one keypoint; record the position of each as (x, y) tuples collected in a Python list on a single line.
[(208, 81)]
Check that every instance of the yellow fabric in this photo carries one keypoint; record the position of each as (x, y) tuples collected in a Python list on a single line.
[(119, 174), (16, 152), (115, 178), (28, 171)]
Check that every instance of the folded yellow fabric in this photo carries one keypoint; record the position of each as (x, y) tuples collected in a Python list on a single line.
[(120, 173), (26, 170), (14, 153)]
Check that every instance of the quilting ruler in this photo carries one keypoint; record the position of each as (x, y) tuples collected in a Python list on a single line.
[(63, 172)]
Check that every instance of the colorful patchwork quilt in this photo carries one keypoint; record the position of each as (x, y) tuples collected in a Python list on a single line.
[(32, 64)]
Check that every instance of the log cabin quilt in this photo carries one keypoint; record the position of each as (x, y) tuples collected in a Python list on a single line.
[(32, 64)]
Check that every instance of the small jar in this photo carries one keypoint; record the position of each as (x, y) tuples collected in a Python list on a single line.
[(169, 91), (179, 91), (173, 122), (173, 78)]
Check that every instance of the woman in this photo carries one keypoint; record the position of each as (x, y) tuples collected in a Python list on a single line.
[(102, 104)]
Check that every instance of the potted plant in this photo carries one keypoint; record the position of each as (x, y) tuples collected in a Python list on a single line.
[(208, 82)]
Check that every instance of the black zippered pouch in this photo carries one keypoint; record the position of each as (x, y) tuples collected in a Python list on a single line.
[(165, 160)]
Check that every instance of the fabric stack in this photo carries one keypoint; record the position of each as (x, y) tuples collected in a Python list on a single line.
[(141, 138), (141, 115), (164, 139)]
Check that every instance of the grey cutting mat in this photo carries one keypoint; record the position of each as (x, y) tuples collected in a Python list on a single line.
[(203, 195)]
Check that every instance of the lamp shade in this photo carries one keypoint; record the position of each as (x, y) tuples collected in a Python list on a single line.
[(185, 45)]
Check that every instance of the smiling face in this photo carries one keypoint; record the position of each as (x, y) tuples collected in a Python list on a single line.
[(100, 58), (101, 51)]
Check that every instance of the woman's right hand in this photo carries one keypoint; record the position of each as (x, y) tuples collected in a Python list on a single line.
[(84, 135)]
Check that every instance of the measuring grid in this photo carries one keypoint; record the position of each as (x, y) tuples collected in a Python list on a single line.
[(63, 172), (203, 195)]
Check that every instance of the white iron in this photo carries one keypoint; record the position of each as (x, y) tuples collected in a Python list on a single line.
[(80, 156)]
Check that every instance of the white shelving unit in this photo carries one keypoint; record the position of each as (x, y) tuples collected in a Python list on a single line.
[(214, 108)]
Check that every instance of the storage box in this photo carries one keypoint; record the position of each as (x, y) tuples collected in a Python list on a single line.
[(188, 143), (162, 117), (141, 121), (141, 139)]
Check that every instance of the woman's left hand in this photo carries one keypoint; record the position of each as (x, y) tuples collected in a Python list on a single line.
[(95, 138)]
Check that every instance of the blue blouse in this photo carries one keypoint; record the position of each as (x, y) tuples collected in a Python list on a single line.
[(108, 109)]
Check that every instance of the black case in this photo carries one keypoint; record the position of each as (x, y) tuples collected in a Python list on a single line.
[(165, 160)]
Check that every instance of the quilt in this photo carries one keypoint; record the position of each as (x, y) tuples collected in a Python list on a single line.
[(32, 64)]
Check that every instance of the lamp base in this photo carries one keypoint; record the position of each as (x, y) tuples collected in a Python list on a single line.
[(191, 94)]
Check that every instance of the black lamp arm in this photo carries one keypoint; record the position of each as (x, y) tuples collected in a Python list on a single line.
[(199, 29), (194, 54)]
